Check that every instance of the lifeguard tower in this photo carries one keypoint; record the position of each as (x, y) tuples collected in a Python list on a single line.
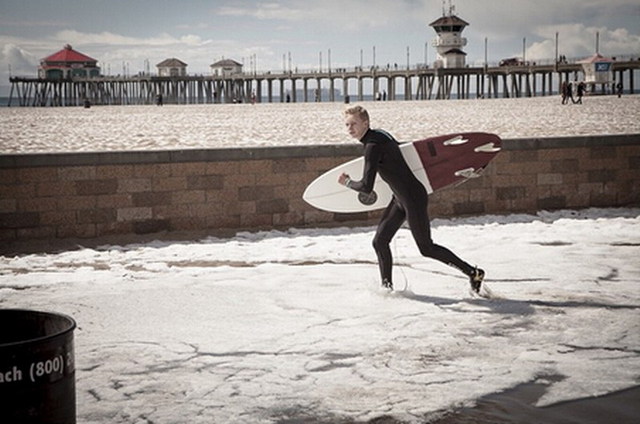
[(449, 43), (597, 69)]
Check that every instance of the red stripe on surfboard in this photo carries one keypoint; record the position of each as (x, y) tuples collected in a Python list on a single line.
[(442, 161)]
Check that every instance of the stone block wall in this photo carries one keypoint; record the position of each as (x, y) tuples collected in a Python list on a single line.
[(88, 195)]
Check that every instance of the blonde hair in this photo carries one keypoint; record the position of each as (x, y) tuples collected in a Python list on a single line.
[(358, 111)]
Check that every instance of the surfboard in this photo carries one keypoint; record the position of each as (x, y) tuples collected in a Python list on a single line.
[(437, 162)]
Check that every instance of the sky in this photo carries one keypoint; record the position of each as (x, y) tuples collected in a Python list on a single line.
[(132, 36)]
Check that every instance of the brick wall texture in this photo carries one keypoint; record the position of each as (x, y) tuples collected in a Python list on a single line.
[(96, 194)]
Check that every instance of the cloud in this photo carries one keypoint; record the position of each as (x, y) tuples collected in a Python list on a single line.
[(110, 39), (268, 11), (20, 60), (501, 22), (579, 40), (199, 26), (193, 40), (621, 41), (347, 15), (114, 51)]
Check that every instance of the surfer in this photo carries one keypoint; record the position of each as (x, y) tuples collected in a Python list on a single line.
[(382, 156)]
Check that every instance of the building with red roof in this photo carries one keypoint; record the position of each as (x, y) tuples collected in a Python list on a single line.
[(68, 63)]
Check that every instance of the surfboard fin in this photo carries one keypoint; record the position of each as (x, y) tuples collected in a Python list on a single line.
[(455, 141), (469, 173), (487, 148)]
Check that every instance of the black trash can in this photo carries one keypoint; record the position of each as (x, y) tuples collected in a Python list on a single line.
[(37, 372)]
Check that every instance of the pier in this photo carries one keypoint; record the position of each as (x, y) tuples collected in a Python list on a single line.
[(418, 82)]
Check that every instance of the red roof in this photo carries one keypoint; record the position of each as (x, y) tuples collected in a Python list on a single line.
[(596, 58), (67, 54)]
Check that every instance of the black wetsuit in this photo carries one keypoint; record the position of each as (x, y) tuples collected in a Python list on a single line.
[(382, 156)]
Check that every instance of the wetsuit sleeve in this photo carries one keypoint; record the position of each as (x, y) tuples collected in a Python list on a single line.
[(372, 154)]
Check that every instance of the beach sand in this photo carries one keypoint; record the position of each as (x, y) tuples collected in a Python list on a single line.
[(112, 128)]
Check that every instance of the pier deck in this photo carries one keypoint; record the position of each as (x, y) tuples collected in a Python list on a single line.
[(417, 83)]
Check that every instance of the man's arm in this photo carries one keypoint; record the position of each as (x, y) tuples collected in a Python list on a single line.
[(371, 158)]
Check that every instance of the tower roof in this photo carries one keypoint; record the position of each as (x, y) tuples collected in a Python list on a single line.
[(450, 20), (68, 55)]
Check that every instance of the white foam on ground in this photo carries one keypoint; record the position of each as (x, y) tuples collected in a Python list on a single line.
[(274, 325)]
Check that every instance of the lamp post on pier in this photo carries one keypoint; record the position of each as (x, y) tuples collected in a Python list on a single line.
[(426, 54), (557, 58)]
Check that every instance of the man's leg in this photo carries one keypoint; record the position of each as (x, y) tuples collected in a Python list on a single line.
[(391, 220), (421, 230)]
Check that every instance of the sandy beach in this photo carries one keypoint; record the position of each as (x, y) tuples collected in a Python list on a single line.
[(111, 128)]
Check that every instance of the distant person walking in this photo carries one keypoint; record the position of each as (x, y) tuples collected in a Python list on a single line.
[(570, 92), (564, 92), (409, 202), (619, 87), (580, 91)]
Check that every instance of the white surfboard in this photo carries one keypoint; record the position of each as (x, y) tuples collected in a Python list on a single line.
[(327, 194), (437, 162)]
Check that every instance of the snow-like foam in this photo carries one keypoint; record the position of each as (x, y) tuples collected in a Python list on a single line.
[(275, 325)]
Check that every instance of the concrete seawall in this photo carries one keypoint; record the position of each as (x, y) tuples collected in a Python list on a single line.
[(89, 195)]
